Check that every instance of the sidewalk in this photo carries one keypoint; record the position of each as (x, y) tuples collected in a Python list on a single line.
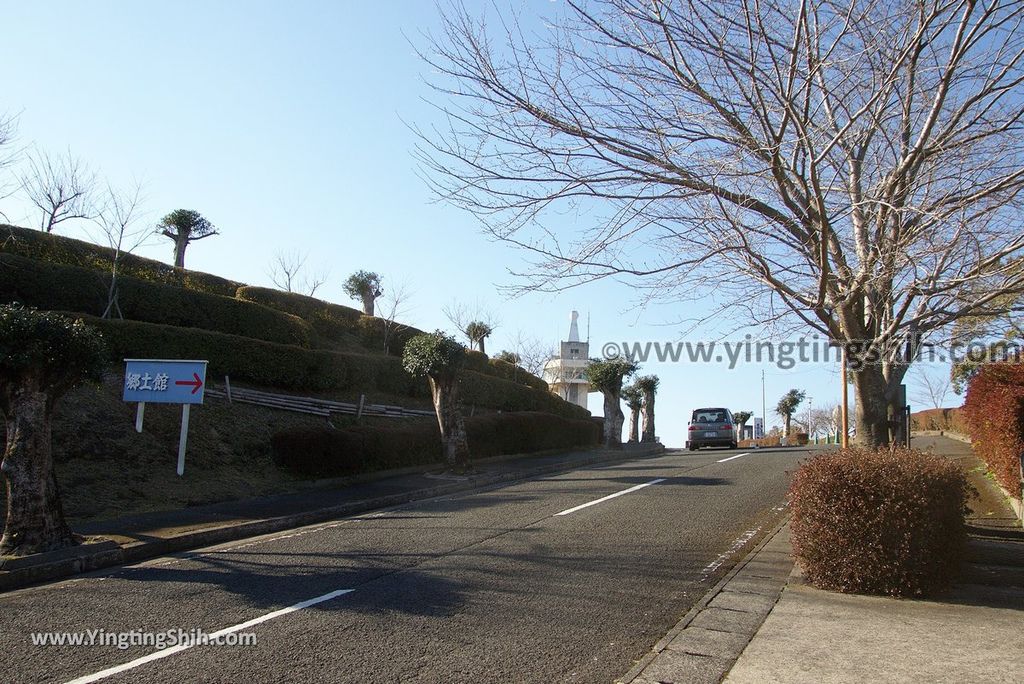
[(974, 634), (131, 539)]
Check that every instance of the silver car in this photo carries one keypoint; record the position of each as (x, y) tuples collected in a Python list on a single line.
[(711, 427)]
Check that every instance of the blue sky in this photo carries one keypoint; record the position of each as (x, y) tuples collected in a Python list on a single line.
[(283, 123)]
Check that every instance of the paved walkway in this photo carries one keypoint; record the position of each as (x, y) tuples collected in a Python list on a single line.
[(973, 634)]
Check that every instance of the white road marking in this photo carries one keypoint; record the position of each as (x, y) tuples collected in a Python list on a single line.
[(723, 460), (610, 496), (736, 546), (171, 650)]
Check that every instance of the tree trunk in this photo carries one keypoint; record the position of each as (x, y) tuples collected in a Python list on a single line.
[(872, 415), (180, 243), (613, 419), (480, 346), (35, 517), (788, 419), (634, 425), (368, 300), (649, 434), (449, 420)]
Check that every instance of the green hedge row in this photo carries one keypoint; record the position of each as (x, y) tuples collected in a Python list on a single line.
[(58, 249), (330, 322), (48, 285), (504, 395), (332, 453), (258, 362), (511, 371), (292, 368), (181, 302)]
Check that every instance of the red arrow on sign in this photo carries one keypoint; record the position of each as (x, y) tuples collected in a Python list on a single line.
[(196, 384)]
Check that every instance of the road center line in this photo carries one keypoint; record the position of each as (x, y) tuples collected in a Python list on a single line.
[(171, 650), (723, 460), (610, 496)]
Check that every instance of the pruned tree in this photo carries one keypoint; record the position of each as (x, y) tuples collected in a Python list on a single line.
[(849, 168), (648, 385), (439, 358), (787, 407), (606, 376), (118, 222), (61, 187), (741, 418), (42, 355), (475, 322), (288, 272), (184, 226), (364, 286), (634, 398), (477, 332)]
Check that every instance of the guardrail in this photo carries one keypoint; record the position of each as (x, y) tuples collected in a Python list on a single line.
[(312, 405)]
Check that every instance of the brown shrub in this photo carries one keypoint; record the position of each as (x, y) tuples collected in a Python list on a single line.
[(879, 521)]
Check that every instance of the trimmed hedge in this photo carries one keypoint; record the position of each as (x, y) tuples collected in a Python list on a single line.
[(292, 368), (511, 371), (258, 362), (505, 395), (47, 285), (946, 419), (994, 408), (58, 249), (330, 321), (879, 521), (372, 331), (357, 449)]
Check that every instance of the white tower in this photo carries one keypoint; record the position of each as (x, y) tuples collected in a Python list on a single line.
[(564, 373)]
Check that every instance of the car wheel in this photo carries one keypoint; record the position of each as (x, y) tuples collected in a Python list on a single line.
[(733, 445)]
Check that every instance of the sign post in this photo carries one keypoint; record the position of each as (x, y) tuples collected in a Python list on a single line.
[(165, 381)]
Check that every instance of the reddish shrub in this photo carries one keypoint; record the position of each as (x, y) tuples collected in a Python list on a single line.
[(946, 419), (995, 417), (879, 521)]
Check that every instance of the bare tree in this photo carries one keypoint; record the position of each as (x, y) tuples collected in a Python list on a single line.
[(9, 156), (395, 305), (853, 168), (118, 221), (61, 187), (475, 321), (532, 352), (932, 389), (288, 269)]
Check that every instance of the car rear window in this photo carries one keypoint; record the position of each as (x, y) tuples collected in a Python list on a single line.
[(709, 416)]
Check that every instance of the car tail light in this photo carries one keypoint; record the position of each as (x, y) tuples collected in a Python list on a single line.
[(693, 427), (727, 426)]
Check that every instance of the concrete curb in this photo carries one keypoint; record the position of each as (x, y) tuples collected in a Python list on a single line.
[(83, 559), (686, 654)]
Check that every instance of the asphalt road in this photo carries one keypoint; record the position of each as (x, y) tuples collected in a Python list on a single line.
[(522, 583)]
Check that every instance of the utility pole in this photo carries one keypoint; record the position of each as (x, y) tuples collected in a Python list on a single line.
[(845, 441), (764, 414)]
